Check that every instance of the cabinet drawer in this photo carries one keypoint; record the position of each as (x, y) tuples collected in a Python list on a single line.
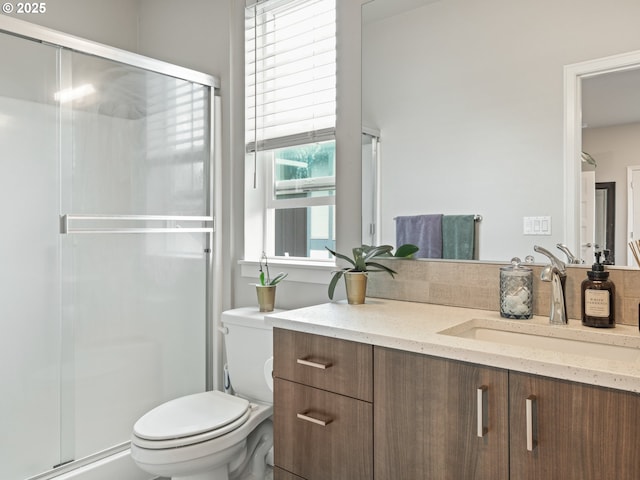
[(331, 364), (320, 435)]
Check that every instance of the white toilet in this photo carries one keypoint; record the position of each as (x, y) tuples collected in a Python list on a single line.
[(216, 435)]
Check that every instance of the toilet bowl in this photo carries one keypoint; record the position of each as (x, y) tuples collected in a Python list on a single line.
[(206, 444), (216, 435)]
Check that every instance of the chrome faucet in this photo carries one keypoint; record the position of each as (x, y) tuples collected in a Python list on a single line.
[(556, 273), (570, 256)]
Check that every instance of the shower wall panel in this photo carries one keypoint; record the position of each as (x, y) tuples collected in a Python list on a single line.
[(29, 260)]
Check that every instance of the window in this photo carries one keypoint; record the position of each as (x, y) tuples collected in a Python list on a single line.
[(290, 52)]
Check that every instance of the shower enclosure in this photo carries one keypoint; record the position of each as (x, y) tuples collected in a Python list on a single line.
[(106, 195)]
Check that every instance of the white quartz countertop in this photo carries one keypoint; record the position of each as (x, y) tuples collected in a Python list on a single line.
[(416, 327)]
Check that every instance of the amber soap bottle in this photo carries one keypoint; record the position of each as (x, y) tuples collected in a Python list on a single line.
[(598, 297)]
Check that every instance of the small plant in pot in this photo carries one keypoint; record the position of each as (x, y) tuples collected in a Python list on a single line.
[(266, 289), (361, 264)]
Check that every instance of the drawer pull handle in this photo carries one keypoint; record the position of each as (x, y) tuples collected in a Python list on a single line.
[(481, 396), (531, 422), (308, 363), (318, 421)]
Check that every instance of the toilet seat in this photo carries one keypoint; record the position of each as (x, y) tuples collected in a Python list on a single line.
[(192, 419)]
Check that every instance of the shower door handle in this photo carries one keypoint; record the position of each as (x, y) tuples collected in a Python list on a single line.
[(182, 224)]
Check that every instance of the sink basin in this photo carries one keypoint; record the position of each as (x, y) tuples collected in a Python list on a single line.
[(569, 340)]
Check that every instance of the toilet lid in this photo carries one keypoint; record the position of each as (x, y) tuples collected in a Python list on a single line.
[(191, 415)]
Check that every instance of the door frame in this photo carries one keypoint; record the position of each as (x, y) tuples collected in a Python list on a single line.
[(630, 213)]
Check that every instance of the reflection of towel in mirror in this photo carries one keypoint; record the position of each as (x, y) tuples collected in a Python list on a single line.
[(424, 231), (458, 236)]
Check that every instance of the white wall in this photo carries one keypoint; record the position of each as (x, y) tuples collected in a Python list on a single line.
[(615, 148), (471, 113), (192, 33)]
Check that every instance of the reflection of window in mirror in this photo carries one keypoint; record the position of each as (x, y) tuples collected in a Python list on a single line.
[(370, 186)]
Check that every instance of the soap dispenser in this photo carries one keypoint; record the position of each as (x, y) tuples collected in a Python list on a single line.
[(598, 297)]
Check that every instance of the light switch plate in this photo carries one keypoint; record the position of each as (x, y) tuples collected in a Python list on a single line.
[(537, 225)]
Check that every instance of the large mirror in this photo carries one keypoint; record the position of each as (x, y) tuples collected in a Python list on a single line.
[(468, 100)]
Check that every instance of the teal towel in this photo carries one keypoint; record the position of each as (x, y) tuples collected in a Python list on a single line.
[(458, 236)]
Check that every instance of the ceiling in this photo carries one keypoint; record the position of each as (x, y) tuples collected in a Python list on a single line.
[(611, 99)]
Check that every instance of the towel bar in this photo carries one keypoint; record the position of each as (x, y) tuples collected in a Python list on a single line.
[(477, 218)]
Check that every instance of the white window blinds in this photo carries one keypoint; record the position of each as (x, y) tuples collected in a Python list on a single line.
[(290, 54)]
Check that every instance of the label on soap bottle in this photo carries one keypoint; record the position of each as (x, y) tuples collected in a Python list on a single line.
[(596, 303)]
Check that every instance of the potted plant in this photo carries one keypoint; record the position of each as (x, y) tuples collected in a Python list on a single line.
[(361, 264), (266, 289)]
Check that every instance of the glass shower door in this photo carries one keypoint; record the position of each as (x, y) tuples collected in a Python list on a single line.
[(135, 212)]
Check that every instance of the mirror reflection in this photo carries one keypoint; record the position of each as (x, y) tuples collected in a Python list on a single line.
[(468, 104), (611, 139)]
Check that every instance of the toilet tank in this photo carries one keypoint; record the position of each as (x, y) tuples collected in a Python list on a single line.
[(248, 344)]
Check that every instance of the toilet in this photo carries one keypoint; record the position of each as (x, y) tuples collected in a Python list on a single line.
[(217, 435)]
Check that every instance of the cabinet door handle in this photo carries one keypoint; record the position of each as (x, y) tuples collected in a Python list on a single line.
[(309, 363), (481, 402), (323, 422), (531, 422)]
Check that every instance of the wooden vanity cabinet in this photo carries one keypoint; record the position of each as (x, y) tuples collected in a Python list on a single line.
[(323, 416), (426, 418), (350, 411), (577, 431)]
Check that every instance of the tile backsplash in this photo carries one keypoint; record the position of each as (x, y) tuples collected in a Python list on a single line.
[(477, 285)]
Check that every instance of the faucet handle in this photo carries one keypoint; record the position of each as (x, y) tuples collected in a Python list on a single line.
[(570, 256), (555, 261)]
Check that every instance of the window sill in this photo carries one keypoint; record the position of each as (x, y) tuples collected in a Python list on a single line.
[(303, 271)]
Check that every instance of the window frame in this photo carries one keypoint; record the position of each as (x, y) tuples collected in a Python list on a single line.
[(260, 201)]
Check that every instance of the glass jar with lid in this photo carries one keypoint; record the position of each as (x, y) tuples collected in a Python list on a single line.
[(516, 291)]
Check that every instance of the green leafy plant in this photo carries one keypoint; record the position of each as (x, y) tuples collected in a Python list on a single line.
[(403, 251), (362, 261), (265, 277)]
